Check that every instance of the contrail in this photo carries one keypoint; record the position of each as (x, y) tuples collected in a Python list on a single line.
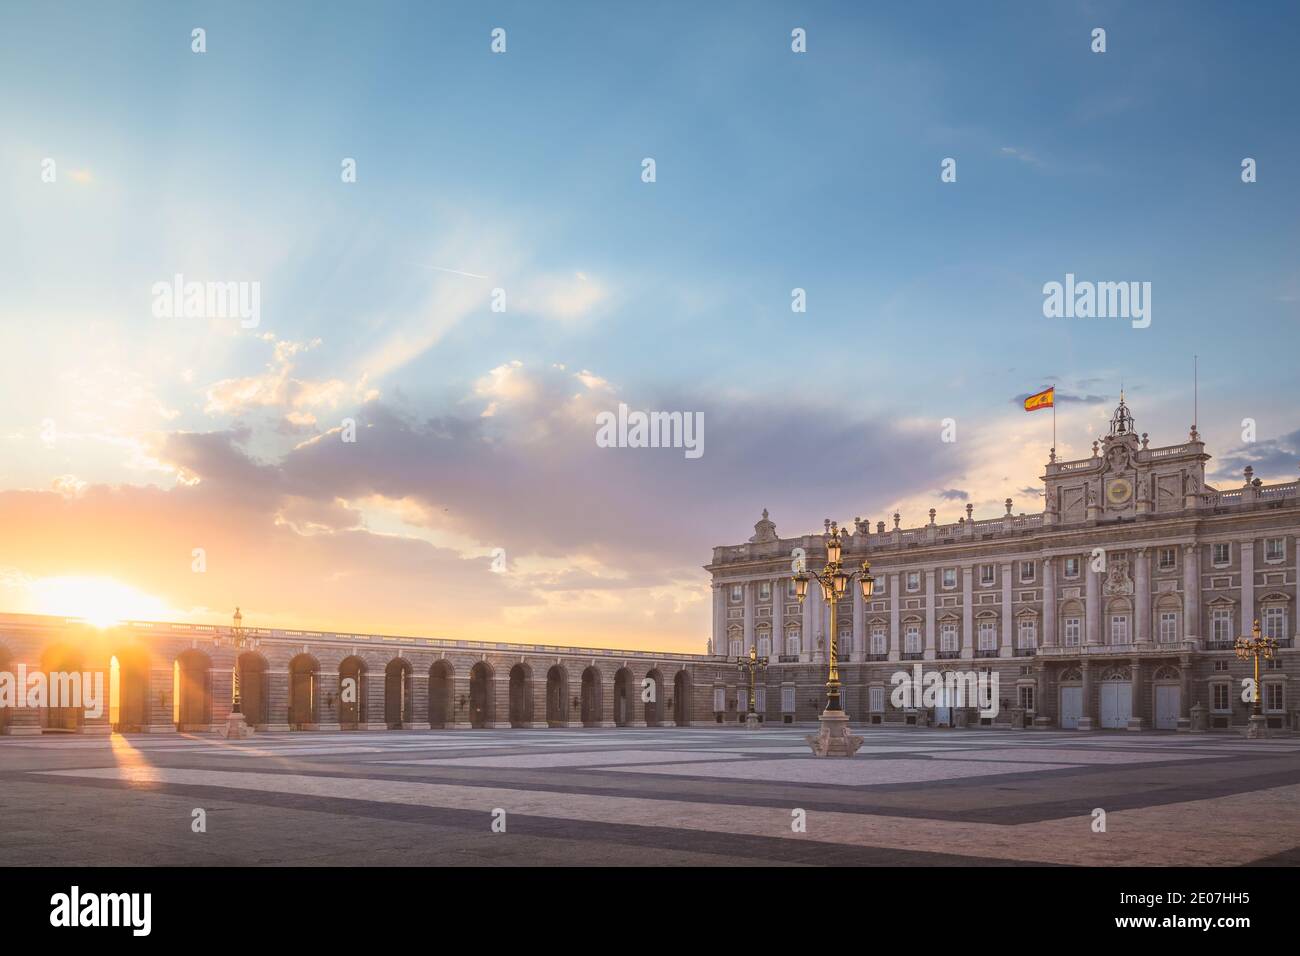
[(457, 272)]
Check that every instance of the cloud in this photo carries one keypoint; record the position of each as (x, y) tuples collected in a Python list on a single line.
[(1274, 459), (954, 494), (1064, 398)]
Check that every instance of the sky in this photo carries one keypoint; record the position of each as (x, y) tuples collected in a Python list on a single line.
[(475, 502)]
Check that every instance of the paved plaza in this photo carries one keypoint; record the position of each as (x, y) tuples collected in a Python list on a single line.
[(658, 796)]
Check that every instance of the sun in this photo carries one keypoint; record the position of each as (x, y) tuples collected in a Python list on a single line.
[(102, 602)]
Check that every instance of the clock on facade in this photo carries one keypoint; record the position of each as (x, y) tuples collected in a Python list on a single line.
[(1119, 491)]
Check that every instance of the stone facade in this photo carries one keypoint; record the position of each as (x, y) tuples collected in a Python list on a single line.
[(1115, 607)]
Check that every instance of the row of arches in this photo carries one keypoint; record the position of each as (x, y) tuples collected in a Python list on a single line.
[(137, 698)]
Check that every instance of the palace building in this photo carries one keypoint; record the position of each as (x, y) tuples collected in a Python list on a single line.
[(1116, 607)]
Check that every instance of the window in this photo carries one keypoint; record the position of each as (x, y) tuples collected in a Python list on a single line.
[(1221, 624), (878, 639), (735, 647), (1274, 550), (792, 643), (1028, 633), (949, 577), (914, 580), (1072, 567), (1026, 572), (988, 636), (1222, 554), (760, 699), (876, 699), (1167, 559), (912, 639), (1119, 628), (789, 589), (737, 593), (1275, 622), (719, 698), (1026, 695), (986, 574), (1222, 696), (787, 700), (948, 637), (765, 591), (844, 646), (1221, 666), (1072, 630), (764, 644), (1168, 627), (1273, 696)]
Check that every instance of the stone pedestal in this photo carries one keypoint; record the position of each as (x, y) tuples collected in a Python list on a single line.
[(752, 722), (1257, 728), (24, 722), (1085, 723), (1018, 718), (236, 728), (1184, 725), (1199, 724), (833, 738)]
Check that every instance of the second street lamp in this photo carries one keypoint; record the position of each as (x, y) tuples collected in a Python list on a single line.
[(1255, 647), (833, 739), (751, 664)]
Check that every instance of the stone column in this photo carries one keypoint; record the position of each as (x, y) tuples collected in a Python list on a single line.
[(1092, 606), (1192, 594), (748, 641), (1041, 718), (859, 623), (895, 607), (1135, 721), (277, 698), (778, 617), (1142, 587), (808, 633), (327, 713), (1087, 720), (1185, 701), (161, 701), (967, 612), (719, 619), (1049, 603), (538, 689), (1247, 547), (419, 697), (1005, 648), (373, 716), (929, 642)]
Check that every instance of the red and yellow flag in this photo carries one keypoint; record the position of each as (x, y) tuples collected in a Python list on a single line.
[(1044, 399)]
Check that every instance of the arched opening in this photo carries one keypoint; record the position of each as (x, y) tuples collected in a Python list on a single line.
[(352, 693), (622, 697), (653, 706), (304, 693), (591, 697), (482, 709), (440, 689), (682, 699), (557, 696), (128, 687), (253, 678), (398, 699), (521, 696), (192, 692), (59, 664)]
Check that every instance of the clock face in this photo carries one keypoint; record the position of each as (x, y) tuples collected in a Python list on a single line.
[(1119, 491)]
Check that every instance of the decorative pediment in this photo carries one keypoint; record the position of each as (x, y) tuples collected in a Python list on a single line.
[(1071, 673), (1116, 673), (1167, 672), (1275, 597), (1222, 601), (1026, 612)]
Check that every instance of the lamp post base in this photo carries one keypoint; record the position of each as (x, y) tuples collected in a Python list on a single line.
[(752, 722), (1257, 728), (236, 728), (833, 738)]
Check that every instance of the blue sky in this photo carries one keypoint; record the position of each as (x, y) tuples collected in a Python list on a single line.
[(774, 171)]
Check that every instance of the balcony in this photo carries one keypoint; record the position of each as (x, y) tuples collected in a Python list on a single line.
[(1026, 651), (987, 652), (877, 657), (949, 655), (913, 656), (787, 658)]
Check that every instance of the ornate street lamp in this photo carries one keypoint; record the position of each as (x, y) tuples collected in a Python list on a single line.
[(749, 665), (1255, 647), (833, 739), (241, 641)]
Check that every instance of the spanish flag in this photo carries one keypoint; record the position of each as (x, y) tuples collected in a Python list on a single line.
[(1044, 399)]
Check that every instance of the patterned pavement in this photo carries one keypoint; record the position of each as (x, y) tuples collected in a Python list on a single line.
[(654, 796)]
